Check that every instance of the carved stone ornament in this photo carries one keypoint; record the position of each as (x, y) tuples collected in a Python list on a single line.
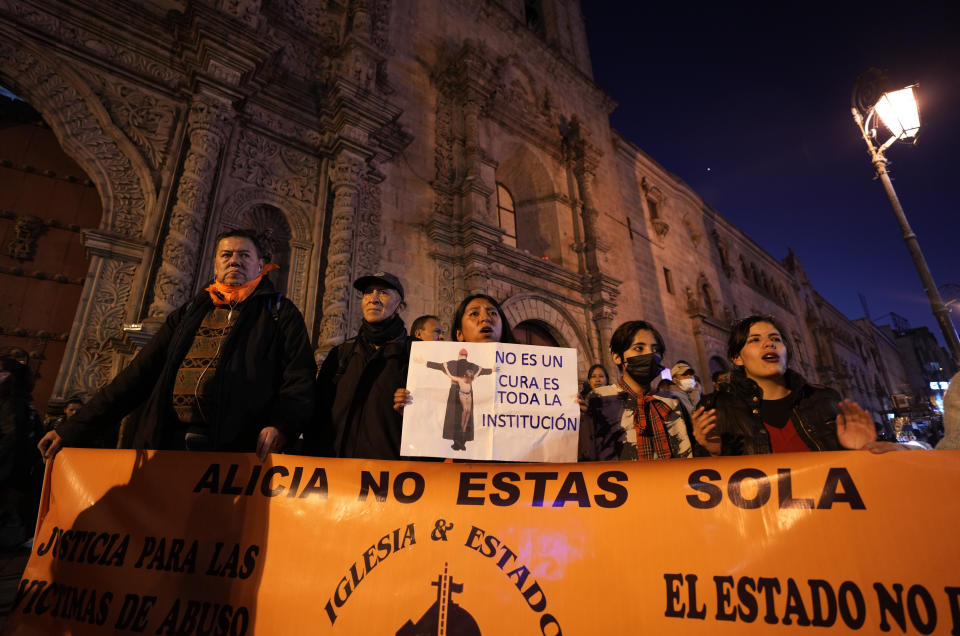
[(26, 231), (694, 235), (115, 51), (83, 136), (316, 18), (660, 227), (181, 246), (106, 308), (245, 10), (275, 168), (344, 178), (446, 293), (146, 119)]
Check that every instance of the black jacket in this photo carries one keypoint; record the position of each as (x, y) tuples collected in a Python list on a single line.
[(355, 387), (742, 432), (264, 378)]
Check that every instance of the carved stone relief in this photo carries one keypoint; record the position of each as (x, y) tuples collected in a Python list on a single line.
[(123, 193), (116, 51), (146, 118), (246, 10), (26, 231), (274, 167), (92, 368), (345, 174), (446, 292), (368, 228), (444, 160), (206, 132), (316, 139)]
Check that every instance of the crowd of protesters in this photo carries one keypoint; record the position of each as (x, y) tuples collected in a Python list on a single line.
[(232, 370)]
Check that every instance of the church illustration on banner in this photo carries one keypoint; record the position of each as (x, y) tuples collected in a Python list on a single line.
[(444, 617)]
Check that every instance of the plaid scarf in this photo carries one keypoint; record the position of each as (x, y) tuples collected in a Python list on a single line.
[(649, 417)]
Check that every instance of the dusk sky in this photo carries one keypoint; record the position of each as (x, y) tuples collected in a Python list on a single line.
[(752, 109)]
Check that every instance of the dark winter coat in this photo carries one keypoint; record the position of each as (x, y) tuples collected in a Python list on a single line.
[(264, 378), (15, 423), (354, 392), (742, 432)]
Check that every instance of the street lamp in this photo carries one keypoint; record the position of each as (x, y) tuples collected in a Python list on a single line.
[(899, 113)]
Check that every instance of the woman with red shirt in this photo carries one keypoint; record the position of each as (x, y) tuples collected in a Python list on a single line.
[(768, 408)]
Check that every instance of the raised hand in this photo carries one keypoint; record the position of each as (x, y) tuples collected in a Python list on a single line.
[(854, 427)]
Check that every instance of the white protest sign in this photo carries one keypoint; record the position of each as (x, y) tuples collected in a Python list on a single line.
[(491, 401)]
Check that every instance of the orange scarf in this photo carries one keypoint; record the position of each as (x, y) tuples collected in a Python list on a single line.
[(222, 294)]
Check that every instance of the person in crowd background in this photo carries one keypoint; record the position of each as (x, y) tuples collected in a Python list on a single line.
[(70, 408), (230, 370), (358, 378), (766, 407), (596, 378), (20, 472), (627, 420), (718, 378), (687, 383), (427, 328)]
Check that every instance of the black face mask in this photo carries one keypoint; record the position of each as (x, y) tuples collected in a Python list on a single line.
[(643, 368)]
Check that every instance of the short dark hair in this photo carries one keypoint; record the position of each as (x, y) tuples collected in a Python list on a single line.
[(246, 233), (741, 330), (420, 322), (623, 337), (506, 334)]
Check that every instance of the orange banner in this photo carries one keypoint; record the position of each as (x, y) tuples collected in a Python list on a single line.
[(210, 543)]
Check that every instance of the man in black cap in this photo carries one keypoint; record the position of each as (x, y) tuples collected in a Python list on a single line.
[(357, 380)]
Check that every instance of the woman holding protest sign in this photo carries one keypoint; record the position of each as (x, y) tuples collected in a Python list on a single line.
[(630, 420), (767, 407), (479, 318)]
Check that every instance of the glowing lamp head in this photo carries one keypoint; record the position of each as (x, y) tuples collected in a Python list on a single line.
[(899, 112)]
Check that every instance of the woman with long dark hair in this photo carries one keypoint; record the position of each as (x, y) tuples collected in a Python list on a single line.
[(478, 318), (766, 407)]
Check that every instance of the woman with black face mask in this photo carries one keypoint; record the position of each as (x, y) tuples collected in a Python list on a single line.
[(628, 420)]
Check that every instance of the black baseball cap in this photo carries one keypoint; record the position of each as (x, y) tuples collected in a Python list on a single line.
[(384, 278)]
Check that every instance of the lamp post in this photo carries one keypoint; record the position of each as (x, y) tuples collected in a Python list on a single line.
[(899, 113)]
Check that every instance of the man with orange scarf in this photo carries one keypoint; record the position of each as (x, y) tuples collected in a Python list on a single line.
[(231, 370)]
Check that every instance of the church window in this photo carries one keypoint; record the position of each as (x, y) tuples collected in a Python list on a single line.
[(533, 14), (654, 208), (668, 280), (507, 214)]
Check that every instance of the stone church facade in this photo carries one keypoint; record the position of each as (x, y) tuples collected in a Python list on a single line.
[(461, 144)]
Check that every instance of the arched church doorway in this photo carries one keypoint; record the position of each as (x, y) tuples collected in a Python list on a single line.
[(533, 332), (274, 229), (46, 201)]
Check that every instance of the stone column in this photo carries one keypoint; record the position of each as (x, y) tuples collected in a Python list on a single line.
[(345, 174), (207, 131)]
